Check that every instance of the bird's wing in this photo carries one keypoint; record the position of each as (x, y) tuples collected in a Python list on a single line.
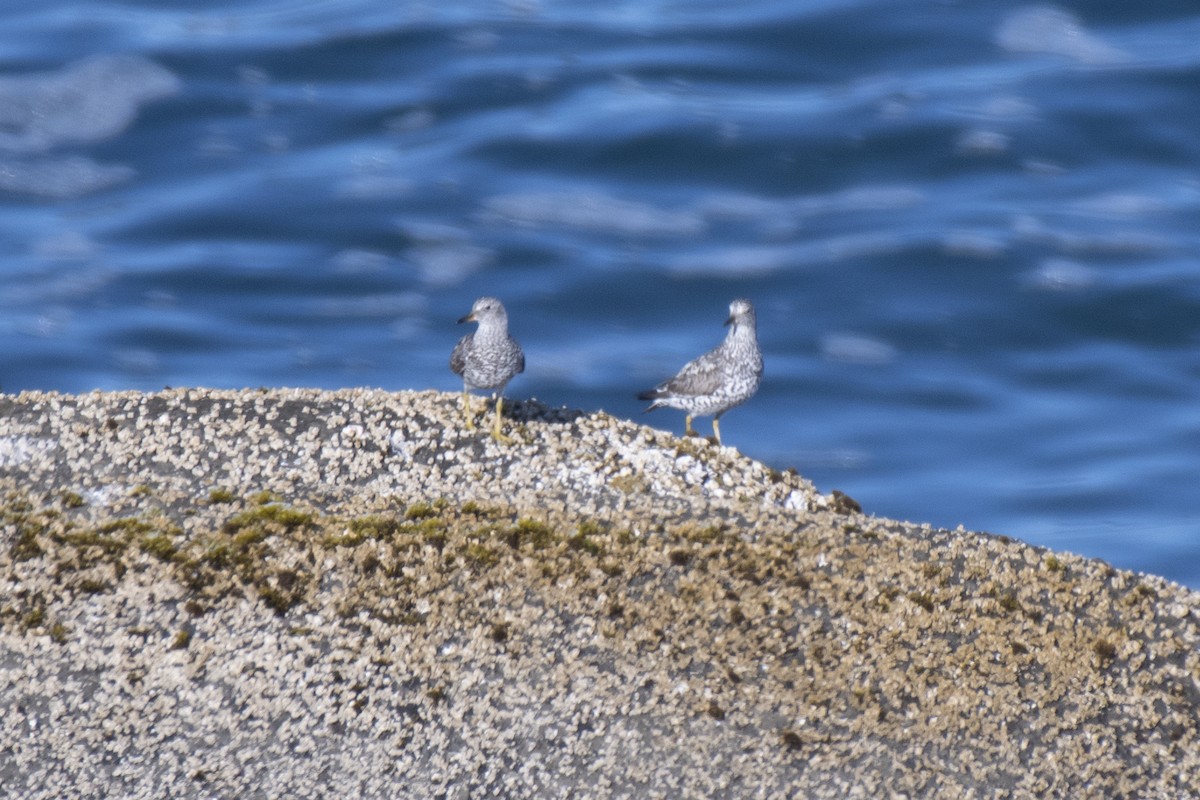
[(699, 376), (520, 359), (458, 358)]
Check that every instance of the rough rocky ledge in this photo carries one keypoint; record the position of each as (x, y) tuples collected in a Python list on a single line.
[(294, 593)]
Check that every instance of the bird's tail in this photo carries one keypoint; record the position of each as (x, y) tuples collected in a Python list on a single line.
[(655, 396)]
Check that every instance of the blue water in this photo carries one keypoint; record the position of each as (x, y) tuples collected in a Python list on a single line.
[(972, 230)]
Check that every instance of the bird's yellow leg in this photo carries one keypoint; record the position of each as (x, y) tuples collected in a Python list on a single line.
[(467, 411), (688, 430), (496, 434), (717, 431)]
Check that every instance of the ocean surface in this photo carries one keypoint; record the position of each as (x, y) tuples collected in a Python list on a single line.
[(971, 229)]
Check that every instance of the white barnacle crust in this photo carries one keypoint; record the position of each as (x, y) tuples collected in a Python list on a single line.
[(298, 593)]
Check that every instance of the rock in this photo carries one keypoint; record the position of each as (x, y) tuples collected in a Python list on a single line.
[(304, 593)]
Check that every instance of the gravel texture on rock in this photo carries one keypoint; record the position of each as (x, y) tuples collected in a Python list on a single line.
[(298, 593)]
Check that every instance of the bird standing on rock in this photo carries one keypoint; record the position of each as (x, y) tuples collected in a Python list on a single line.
[(488, 358), (718, 380)]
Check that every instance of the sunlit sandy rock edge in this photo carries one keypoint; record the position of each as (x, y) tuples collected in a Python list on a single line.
[(301, 593)]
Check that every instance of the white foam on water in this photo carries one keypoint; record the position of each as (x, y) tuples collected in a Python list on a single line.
[(374, 306), (355, 261), (1055, 31), (60, 178), (87, 101), (84, 102), (1061, 275), (974, 244), (982, 142), (1120, 204), (591, 211), (732, 262), (856, 348), (66, 245), (449, 263)]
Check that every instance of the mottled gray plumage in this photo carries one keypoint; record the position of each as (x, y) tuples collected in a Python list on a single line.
[(721, 378), (488, 358)]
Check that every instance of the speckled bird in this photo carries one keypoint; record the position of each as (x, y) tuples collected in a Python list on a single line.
[(722, 378), (488, 358)]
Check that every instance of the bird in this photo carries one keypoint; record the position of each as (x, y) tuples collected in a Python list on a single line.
[(722, 378), (488, 358)]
